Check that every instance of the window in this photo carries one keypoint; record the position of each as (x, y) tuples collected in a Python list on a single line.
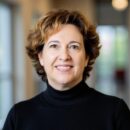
[(5, 62), (112, 62)]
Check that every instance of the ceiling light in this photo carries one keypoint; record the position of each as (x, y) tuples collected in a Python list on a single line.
[(120, 4)]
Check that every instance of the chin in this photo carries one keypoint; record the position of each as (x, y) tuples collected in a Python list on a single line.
[(65, 79), (66, 83)]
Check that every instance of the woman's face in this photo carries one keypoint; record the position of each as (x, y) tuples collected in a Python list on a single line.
[(63, 57)]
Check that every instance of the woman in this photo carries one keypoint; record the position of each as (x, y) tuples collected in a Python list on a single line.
[(63, 47)]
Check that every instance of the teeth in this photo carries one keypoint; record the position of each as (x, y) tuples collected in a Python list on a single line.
[(63, 68)]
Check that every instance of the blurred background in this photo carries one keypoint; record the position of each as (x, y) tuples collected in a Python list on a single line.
[(19, 81)]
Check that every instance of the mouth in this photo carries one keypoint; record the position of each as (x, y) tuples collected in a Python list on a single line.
[(63, 68)]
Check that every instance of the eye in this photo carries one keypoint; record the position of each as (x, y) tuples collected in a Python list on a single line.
[(53, 46), (74, 46)]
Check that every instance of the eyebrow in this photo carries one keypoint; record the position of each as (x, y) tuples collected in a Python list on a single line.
[(54, 41), (74, 42)]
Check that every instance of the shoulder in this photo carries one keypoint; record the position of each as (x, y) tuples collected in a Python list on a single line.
[(30, 104), (23, 111), (27, 107), (105, 100), (110, 104)]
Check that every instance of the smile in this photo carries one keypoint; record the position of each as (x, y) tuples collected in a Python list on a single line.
[(64, 68)]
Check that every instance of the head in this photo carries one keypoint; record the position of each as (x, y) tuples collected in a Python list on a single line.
[(50, 24)]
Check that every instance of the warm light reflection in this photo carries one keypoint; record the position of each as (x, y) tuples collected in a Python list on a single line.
[(120, 4)]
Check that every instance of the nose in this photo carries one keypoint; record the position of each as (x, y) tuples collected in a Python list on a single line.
[(64, 55)]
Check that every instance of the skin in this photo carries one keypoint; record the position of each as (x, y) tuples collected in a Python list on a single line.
[(63, 58)]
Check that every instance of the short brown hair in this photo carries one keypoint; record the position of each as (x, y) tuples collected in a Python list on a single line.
[(49, 24)]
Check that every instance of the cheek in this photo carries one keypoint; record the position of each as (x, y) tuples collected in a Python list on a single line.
[(79, 65), (49, 59), (80, 59)]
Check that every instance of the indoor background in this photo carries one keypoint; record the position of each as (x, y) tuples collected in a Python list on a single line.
[(18, 79)]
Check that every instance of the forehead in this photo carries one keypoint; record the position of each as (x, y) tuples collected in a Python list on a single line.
[(63, 30)]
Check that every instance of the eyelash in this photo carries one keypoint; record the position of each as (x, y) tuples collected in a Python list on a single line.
[(74, 47), (53, 46)]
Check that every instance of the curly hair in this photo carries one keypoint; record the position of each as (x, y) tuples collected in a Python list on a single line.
[(49, 24)]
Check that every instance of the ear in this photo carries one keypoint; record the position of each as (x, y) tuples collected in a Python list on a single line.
[(40, 57)]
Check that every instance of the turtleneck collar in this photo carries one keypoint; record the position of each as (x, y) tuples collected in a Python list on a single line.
[(66, 97)]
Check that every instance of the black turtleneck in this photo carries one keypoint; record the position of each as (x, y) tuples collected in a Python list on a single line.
[(80, 108), (67, 97)]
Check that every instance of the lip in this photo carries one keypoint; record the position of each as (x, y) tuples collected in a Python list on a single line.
[(64, 67)]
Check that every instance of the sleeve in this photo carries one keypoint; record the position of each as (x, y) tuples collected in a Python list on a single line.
[(10, 120), (122, 116)]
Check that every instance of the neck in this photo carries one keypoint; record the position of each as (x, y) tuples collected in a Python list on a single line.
[(64, 86), (67, 97)]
